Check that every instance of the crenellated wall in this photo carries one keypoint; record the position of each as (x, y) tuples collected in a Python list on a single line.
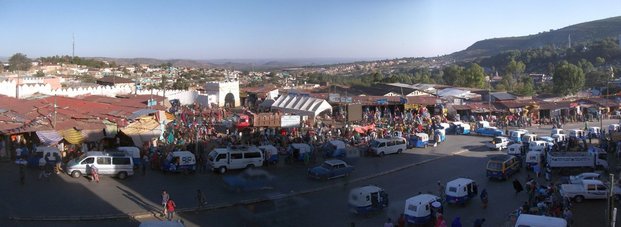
[(8, 88)]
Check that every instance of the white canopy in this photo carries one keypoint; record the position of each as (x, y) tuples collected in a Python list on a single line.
[(301, 105)]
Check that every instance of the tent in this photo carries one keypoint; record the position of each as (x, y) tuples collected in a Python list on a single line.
[(143, 130), (301, 105)]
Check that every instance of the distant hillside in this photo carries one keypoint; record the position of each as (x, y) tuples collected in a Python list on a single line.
[(599, 29), (153, 61)]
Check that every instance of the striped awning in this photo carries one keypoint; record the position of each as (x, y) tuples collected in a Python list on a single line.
[(50, 137)]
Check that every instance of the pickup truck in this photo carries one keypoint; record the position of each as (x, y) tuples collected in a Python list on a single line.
[(498, 143), (588, 189)]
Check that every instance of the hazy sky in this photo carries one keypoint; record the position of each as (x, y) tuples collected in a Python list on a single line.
[(277, 28)]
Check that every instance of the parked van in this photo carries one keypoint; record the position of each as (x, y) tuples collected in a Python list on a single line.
[(180, 162), (106, 163), (528, 137), (236, 157), (50, 154), (529, 220), (578, 133), (134, 152), (503, 166), (516, 135), (556, 131), (391, 145)]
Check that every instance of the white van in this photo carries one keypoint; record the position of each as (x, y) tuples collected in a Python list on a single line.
[(388, 146), (106, 163), (239, 157), (529, 220)]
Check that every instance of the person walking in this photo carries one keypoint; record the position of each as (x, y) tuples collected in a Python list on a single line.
[(22, 174), (42, 163), (484, 198), (401, 222), (170, 209), (568, 216), (165, 198), (441, 190), (95, 173), (517, 186), (145, 163), (200, 198)]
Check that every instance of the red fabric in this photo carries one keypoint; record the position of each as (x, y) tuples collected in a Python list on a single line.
[(170, 205)]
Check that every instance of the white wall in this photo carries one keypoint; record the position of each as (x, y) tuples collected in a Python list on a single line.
[(8, 88)]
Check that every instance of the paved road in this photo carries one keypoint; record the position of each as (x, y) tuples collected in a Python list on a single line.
[(65, 196), (329, 208)]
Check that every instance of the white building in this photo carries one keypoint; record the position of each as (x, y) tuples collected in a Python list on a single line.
[(226, 92)]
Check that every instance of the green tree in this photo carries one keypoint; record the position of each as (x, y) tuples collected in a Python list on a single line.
[(585, 65), (599, 61), (451, 73), (39, 74), (180, 84), (515, 68), (567, 79), (473, 76), (527, 88), (19, 62)]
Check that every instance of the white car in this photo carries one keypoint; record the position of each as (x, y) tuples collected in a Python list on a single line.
[(577, 179), (498, 143)]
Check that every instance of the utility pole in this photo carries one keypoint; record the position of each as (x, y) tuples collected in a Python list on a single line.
[(55, 106), (611, 211), (601, 117), (72, 47)]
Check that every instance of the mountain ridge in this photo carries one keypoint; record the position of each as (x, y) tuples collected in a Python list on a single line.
[(585, 31)]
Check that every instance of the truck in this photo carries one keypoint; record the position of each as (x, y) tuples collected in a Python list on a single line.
[(588, 189), (593, 158)]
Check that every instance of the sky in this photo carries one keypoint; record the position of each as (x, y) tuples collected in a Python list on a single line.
[(277, 29)]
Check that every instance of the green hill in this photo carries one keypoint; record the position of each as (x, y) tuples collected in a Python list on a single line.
[(593, 30)]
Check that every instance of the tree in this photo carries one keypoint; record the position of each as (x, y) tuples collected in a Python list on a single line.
[(473, 76), (39, 74), (567, 79), (515, 68), (180, 84), (451, 73), (599, 61), (19, 62), (527, 87)]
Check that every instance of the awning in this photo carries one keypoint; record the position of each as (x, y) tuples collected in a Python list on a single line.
[(301, 105), (94, 135), (111, 129), (143, 130), (50, 137), (73, 136), (140, 113)]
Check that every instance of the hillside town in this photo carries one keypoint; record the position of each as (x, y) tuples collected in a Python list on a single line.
[(302, 113)]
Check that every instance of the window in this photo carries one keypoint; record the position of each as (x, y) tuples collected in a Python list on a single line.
[(452, 189), (121, 161), (103, 160), (412, 207), (591, 187), (88, 161), (236, 155), (220, 156), (382, 145), (601, 187), (252, 155)]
